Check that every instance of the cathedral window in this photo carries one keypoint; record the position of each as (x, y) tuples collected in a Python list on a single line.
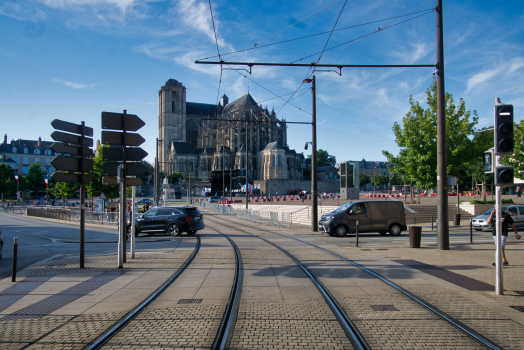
[(173, 106), (272, 160), (279, 161)]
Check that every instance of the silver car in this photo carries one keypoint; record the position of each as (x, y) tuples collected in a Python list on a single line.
[(517, 214)]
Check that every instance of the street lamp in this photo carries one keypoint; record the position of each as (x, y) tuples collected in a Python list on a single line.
[(374, 181), (314, 197)]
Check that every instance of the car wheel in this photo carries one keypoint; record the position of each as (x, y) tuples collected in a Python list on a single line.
[(478, 229), (395, 230), (341, 231), (191, 232), (136, 231), (173, 230)]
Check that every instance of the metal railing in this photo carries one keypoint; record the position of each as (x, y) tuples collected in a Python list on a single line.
[(261, 217), (110, 218), (17, 209)]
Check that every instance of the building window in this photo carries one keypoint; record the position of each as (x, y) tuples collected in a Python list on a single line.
[(279, 161), (173, 106), (37, 151), (26, 150), (37, 160), (330, 174), (14, 149), (25, 160), (48, 161), (273, 160), (16, 159), (25, 170)]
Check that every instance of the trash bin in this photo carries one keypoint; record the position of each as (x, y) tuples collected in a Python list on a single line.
[(415, 235), (456, 220)]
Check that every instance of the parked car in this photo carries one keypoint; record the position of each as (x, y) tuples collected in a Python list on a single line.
[(376, 216), (144, 201), (215, 199), (480, 222), (173, 220), (1, 244)]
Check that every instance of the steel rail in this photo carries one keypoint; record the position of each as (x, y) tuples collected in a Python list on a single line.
[(225, 331), (117, 327), (468, 331), (454, 322)]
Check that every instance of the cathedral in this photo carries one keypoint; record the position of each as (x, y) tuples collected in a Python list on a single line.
[(199, 139)]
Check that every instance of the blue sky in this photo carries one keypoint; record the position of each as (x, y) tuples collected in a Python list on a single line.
[(73, 59)]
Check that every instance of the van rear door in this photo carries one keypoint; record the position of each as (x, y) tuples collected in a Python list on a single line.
[(383, 214)]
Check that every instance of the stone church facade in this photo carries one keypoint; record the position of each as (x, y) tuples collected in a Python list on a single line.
[(198, 138)]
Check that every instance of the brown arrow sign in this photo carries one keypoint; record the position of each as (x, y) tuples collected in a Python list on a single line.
[(70, 127), (68, 138), (72, 178), (116, 121), (132, 169), (64, 163), (130, 181), (117, 153), (117, 139), (71, 150)]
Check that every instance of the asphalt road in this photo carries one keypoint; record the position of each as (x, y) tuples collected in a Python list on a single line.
[(39, 240)]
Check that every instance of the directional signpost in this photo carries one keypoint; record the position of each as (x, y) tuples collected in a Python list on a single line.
[(74, 164), (123, 161)]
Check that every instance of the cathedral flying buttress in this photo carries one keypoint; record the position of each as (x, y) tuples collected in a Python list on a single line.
[(199, 138)]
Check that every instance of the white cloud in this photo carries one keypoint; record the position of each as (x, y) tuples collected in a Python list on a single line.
[(196, 15), (122, 4), (498, 75), (72, 85)]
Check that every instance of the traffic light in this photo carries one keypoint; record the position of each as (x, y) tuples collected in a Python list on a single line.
[(504, 176), (305, 146), (504, 129)]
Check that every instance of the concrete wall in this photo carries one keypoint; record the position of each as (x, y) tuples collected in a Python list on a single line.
[(284, 186)]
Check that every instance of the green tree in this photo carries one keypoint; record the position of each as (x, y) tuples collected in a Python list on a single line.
[(417, 139), (324, 158), (516, 160), (63, 190), (96, 188), (35, 178), (396, 180), (364, 179), (174, 177), (7, 181)]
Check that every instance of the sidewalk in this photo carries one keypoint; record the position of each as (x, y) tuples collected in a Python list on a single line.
[(54, 302)]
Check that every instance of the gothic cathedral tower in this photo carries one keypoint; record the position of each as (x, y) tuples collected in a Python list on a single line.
[(171, 119)]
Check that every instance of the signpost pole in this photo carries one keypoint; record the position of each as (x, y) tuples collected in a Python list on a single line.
[(133, 228), (124, 201), (499, 287), (122, 218), (82, 200)]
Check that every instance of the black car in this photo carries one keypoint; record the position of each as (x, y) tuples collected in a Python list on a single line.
[(173, 220), (145, 201), (1, 244)]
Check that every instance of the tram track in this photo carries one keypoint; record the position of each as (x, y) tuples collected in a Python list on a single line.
[(469, 332)]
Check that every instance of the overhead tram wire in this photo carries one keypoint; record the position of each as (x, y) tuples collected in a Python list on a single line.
[(313, 35), (218, 50), (269, 99), (351, 42)]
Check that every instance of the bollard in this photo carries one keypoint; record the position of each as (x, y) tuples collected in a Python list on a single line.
[(431, 222), (414, 220), (356, 230), (15, 255), (470, 230)]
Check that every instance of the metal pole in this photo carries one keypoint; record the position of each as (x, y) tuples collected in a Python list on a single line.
[(15, 257), (470, 230), (82, 200), (230, 184), (133, 189), (189, 193), (499, 286), (223, 171), (314, 196), (124, 202), (458, 198), (155, 198), (247, 168), (122, 218), (356, 231), (442, 164)]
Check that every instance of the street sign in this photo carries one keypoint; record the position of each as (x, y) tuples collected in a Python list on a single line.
[(132, 169), (71, 178), (117, 154), (102, 196), (116, 121), (130, 181), (117, 139), (69, 138), (165, 186), (71, 150), (71, 164), (70, 127)]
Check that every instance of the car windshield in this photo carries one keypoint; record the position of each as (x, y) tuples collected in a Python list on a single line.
[(489, 211), (343, 207)]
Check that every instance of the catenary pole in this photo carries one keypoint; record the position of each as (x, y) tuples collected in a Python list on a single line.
[(442, 176), (314, 194)]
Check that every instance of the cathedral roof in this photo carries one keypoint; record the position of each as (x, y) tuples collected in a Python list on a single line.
[(246, 100), (184, 148), (209, 150), (273, 145), (172, 82), (201, 108)]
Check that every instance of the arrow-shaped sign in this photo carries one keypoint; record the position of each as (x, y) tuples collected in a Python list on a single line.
[(132, 169), (117, 138), (116, 121), (63, 163), (117, 154), (70, 127), (71, 150), (130, 181), (72, 178), (69, 138)]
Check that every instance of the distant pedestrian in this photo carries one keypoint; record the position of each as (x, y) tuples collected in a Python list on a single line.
[(478, 193), (518, 191), (506, 222)]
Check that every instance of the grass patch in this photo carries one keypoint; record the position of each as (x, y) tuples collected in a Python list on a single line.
[(503, 201)]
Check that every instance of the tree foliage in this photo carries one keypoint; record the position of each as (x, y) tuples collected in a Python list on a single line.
[(174, 178), (417, 140), (364, 179), (7, 181), (517, 159), (96, 188), (324, 158), (35, 178)]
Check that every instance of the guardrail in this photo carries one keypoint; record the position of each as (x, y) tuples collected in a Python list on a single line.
[(110, 218), (15, 209), (261, 217)]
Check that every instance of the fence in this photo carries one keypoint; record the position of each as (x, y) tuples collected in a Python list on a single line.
[(17, 209), (74, 215), (261, 217)]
